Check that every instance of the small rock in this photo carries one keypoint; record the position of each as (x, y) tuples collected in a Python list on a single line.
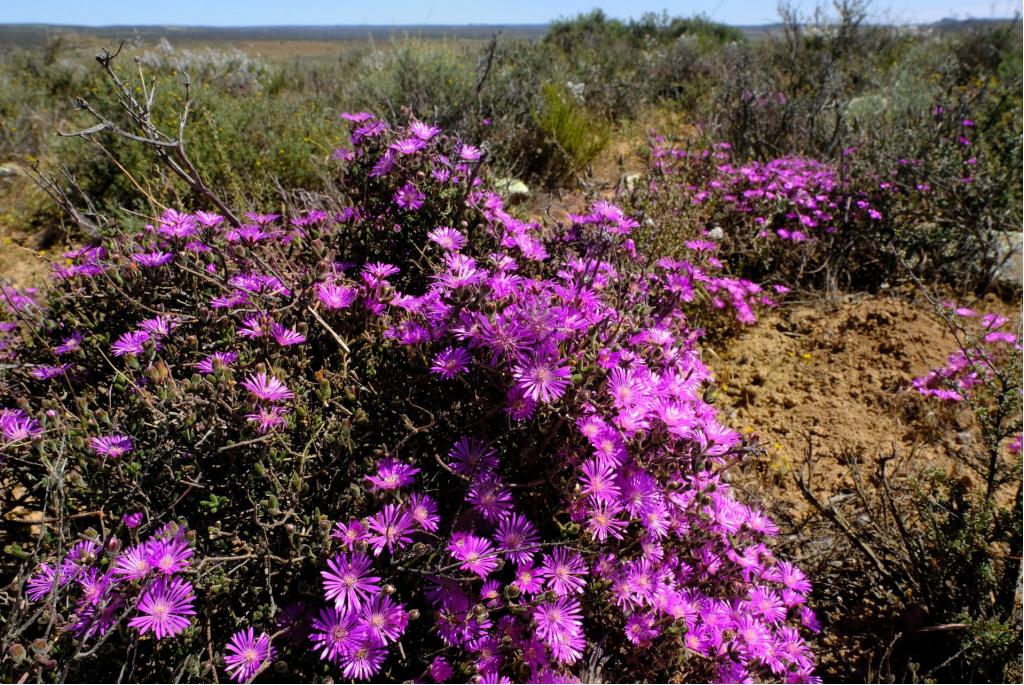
[(512, 188), (629, 181)]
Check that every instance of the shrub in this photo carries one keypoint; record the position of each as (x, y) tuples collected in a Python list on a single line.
[(578, 138), (412, 435), (920, 558), (790, 218)]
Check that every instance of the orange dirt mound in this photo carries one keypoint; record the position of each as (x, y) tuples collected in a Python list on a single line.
[(838, 374)]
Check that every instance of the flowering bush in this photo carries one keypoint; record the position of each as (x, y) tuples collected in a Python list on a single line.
[(784, 217), (413, 436), (983, 376)]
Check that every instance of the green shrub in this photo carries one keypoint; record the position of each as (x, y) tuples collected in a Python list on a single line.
[(578, 137)]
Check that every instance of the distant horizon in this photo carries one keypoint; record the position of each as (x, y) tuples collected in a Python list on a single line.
[(497, 24), (434, 13)]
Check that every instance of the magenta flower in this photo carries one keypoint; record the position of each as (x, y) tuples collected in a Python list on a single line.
[(542, 380), (132, 520), (70, 344), (440, 670), (562, 570), (334, 296), (134, 563), (16, 425), (349, 533), (517, 538), (357, 117), (448, 238), (642, 628), (408, 146), (44, 581), (246, 653), (256, 325), (490, 498), (152, 259), (378, 273), (602, 522), (389, 528), (392, 474), (347, 582), (527, 581), (477, 554), (423, 131), (384, 620), (450, 362), (164, 607), (175, 224), (558, 620), (159, 326), (208, 219), (469, 153), (130, 343), (599, 481), (363, 662), (336, 634), (111, 445), (267, 388), (471, 456), (423, 510), (268, 419), (208, 365), (169, 556), (286, 336), (409, 197), (46, 372)]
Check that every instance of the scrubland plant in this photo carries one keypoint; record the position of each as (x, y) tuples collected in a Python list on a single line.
[(931, 566), (410, 437), (785, 217), (942, 201)]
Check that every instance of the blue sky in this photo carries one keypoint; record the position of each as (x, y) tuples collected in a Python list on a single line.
[(390, 12)]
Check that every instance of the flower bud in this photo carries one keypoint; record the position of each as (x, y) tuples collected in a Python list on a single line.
[(388, 589), (17, 652)]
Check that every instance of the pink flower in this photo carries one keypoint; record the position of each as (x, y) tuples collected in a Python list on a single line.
[(542, 380), (477, 554), (562, 570), (245, 654), (347, 581), (111, 445), (267, 388), (164, 608), (392, 474)]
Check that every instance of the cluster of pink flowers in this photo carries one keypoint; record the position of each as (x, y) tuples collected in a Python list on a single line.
[(516, 556), (985, 348), (143, 581), (792, 198)]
